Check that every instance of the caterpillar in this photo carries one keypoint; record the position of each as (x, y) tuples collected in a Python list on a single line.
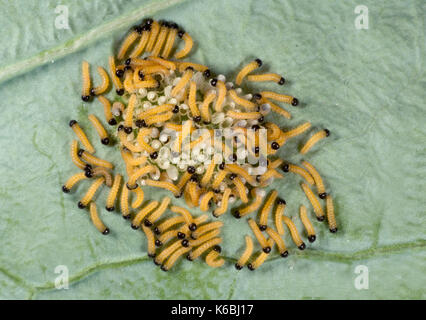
[(148, 83), (91, 192), (191, 188), (139, 198), (206, 228), (208, 174), (89, 158), (330, 214), (131, 184), (183, 180), (159, 118), (128, 41), (277, 109), (307, 223), (164, 185), (174, 257), (195, 66), (167, 224), (317, 178), (241, 172), (267, 77), (241, 101), (81, 136), (224, 203), (107, 110), (154, 216), (171, 37), (143, 41), (155, 29), (275, 236), (187, 46), (183, 81), (143, 145), (162, 35), (155, 111), (158, 260), (260, 258), (222, 91), (287, 167), (280, 97), (119, 89), (137, 220), (103, 135), (163, 62), (253, 65), (129, 160), (186, 216), (241, 189), (257, 202), (209, 235), (259, 236), (194, 254), (97, 222), (124, 203), (263, 217), (101, 171), (279, 212), (151, 241), (243, 115), (73, 180), (298, 130), (127, 144), (128, 120), (246, 254), (294, 233), (104, 85), (213, 260), (192, 101), (314, 140), (204, 110), (112, 195), (206, 200), (273, 131), (314, 202), (219, 178), (85, 72), (75, 158)]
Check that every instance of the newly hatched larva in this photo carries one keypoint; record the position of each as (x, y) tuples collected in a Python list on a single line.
[(246, 254), (182, 82), (279, 212), (278, 241), (192, 101), (213, 260), (266, 77), (115, 79), (124, 203), (143, 41), (298, 130), (128, 120), (147, 83), (317, 178), (104, 85), (195, 253), (74, 156), (219, 178), (144, 145), (137, 202), (128, 81), (154, 216), (253, 65), (241, 189), (188, 43), (89, 158), (129, 160), (206, 200), (81, 136), (208, 174), (85, 72), (168, 223), (221, 94), (103, 135), (170, 40), (162, 256), (183, 180), (164, 29), (164, 185), (101, 171), (209, 235), (122, 136), (155, 29), (107, 110), (260, 258), (97, 222), (275, 108), (314, 140), (273, 131), (192, 190), (174, 257), (131, 184), (288, 167), (186, 216), (171, 65), (206, 228), (319, 212), (154, 111), (128, 41), (223, 203), (159, 118), (330, 214), (307, 223), (270, 174), (243, 115), (256, 203), (72, 181), (91, 192), (294, 233), (263, 217), (241, 172), (112, 195), (195, 66), (259, 236), (280, 97), (151, 241), (204, 110), (137, 220), (241, 101)]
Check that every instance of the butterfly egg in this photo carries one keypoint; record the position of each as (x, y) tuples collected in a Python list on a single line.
[(142, 92), (229, 85), (152, 96)]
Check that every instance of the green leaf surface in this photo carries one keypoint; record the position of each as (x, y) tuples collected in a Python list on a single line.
[(366, 86)]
